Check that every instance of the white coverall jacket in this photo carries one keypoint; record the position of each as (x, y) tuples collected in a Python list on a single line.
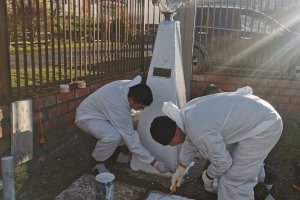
[(106, 114), (240, 119)]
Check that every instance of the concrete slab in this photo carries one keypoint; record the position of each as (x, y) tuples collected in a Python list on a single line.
[(135, 185), (164, 196), (84, 188)]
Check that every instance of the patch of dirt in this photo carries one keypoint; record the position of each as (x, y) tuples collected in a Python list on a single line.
[(55, 175)]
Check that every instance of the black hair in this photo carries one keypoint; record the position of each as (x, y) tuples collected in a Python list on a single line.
[(163, 129), (211, 89), (141, 93)]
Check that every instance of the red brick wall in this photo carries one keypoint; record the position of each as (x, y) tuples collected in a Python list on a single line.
[(284, 95), (53, 115)]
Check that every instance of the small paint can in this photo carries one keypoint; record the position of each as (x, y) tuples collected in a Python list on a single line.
[(81, 84), (63, 88), (105, 186)]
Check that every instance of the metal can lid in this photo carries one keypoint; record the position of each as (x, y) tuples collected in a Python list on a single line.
[(105, 177)]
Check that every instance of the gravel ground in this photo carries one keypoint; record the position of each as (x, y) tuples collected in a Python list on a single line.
[(55, 175)]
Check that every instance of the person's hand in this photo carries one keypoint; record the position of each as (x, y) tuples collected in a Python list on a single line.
[(161, 167), (177, 176), (208, 182), (135, 114)]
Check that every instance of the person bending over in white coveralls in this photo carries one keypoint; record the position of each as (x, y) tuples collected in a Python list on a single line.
[(106, 114), (208, 124)]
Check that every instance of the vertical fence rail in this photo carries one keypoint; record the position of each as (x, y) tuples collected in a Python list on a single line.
[(4, 55)]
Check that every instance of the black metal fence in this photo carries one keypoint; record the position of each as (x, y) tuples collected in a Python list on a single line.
[(60, 41), (48, 42), (248, 37)]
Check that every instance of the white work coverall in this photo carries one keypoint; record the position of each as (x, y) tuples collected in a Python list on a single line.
[(106, 115), (246, 122)]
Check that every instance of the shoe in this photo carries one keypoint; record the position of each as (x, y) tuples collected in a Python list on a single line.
[(271, 176), (99, 168), (260, 192)]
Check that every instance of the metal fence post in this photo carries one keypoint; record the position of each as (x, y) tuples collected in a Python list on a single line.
[(142, 45), (5, 91), (186, 17), (7, 164)]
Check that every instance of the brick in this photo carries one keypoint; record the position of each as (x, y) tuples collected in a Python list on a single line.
[(73, 104), (279, 83), (49, 124), (37, 103), (269, 99), (280, 99), (49, 100), (197, 88), (37, 116), (198, 77), (289, 92), (295, 84), (262, 96), (215, 79), (95, 87), (56, 111), (236, 80), (109, 80), (4, 112), (227, 87), (82, 92), (295, 100), (66, 118), (43, 102), (289, 107), (63, 97), (267, 91), (257, 82)]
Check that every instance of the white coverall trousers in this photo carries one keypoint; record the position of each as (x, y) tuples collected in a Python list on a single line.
[(248, 156), (108, 137)]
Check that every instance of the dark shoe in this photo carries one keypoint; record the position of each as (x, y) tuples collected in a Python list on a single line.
[(260, 192), (99, 168), (271, 175)]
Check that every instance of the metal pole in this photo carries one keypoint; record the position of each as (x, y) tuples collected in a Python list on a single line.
[(186, 17), (7, 164), (5, 91)]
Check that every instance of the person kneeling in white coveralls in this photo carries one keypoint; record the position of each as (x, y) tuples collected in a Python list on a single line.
[(250, 125), (106, 114)]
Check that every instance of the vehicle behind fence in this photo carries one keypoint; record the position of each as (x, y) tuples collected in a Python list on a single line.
[(247, 37)]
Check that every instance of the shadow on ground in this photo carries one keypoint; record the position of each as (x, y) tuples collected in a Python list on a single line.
[(55, 175)]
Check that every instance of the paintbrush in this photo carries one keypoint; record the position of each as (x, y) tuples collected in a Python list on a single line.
[(170, 194)]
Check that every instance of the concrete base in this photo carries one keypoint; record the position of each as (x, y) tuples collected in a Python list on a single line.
[(136, 185), (84, 188), (164, 196)]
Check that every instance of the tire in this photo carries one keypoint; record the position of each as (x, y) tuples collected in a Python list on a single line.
[(201, 61)]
